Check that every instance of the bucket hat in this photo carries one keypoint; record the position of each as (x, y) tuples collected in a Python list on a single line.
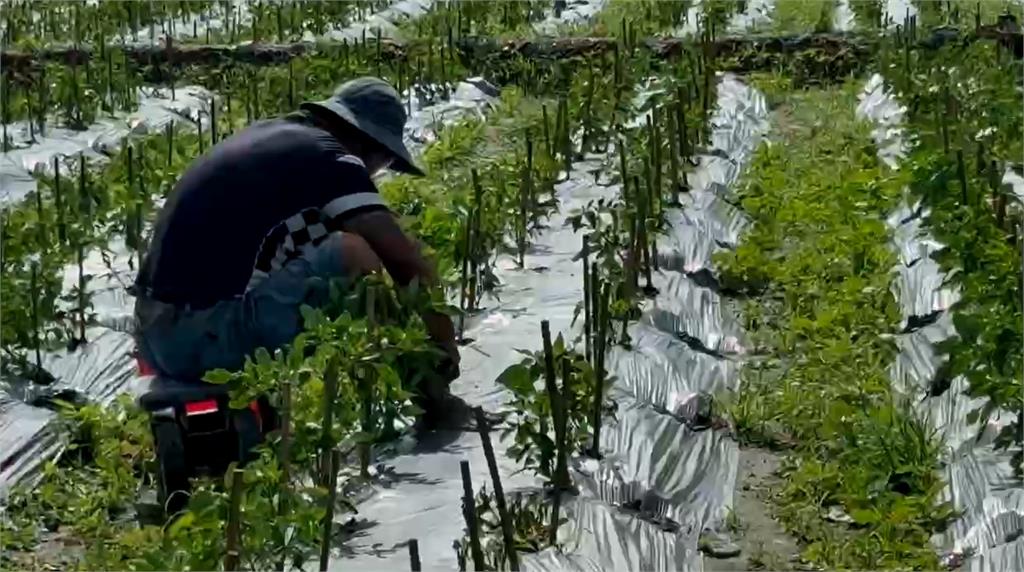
[(371, 105)]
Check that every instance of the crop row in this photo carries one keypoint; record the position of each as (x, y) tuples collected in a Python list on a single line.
[(29, 24), (965, 121)]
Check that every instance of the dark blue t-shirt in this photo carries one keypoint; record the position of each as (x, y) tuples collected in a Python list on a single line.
[(249, 205)]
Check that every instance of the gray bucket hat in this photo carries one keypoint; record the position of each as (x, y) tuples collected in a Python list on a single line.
[(374, 107)]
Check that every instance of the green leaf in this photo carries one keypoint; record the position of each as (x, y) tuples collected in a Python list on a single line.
[(218, 376), (517, 379)]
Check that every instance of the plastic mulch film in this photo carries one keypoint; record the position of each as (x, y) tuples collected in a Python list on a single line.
[(104, 368), (979, 478), (574, 13), (664, 479), (756, 13), (843, 18), (896, 12), (156, 109), (385, 22), (195, 26)]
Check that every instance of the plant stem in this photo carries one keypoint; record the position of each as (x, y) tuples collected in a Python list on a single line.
[(234, 525), (507, 533), (469, 514), (328, 522)]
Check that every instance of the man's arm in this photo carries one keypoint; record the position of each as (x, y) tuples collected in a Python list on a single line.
[(403, 261)]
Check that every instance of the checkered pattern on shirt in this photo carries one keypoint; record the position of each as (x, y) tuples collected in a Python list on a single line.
[(306, 229), (290, 239)]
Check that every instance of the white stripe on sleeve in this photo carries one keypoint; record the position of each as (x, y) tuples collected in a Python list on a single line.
[(346, 203)]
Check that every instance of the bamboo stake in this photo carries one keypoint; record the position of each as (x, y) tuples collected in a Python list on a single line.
[(961, 173), (170, 143), (213, 121), (234, 526), (328, 522), (556, 509), (469, 513), (36, 338), (84, 200), (330, 394), (673, 156), (80, 251), (598, 391), (567, 149), (547, 132), (475, 244), (464, 282), (414, 555), (58, 203), (367, 392), (642, 235), (557, 410), (285, 454), (523, 216), (507, 533), (587, 288)]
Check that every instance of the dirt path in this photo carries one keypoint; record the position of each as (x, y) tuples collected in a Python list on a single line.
[(764, 543)]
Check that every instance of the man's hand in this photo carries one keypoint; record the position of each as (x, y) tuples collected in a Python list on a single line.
[(402, 258)]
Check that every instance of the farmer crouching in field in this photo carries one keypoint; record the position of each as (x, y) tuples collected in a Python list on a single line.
[(258, 225)]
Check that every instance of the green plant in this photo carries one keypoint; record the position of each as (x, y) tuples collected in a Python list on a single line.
[(531, 422)]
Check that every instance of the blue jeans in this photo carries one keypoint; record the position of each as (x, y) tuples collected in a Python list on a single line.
[(184, 343)]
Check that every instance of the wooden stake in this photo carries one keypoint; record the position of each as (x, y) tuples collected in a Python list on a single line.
[(507, 533), (328, 522), (234, 525), (469, 513)]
